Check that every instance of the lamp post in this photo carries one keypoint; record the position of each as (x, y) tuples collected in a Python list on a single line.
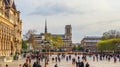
[(46, 45)]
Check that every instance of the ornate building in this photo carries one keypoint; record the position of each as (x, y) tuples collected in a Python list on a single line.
[(89, 43), (66, 38), (10, 28)]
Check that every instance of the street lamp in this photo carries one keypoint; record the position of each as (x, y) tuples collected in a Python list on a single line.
[(46, 45)]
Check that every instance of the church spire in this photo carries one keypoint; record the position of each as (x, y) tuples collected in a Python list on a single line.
[(13, 5), (45, 26)]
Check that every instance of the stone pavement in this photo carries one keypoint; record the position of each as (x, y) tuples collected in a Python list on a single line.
[(64, 63), (103, 63)]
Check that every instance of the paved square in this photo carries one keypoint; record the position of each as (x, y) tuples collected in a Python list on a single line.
[(65, 63)]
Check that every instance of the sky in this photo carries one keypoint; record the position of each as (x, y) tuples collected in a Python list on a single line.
[(87, 17)]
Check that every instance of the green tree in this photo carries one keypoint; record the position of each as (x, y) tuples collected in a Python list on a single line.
[(109, 41), (109, 45), (30, 37), (79, 48), (24, 44), (111, 34), (102, 45), (74, 48), (55, 41)]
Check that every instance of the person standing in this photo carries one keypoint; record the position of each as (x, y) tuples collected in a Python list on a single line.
[(78, 64), (38, 65), (56, 59), (93, 58), (67, 58), (53, 59), (55, 65), (87, 65), (6, 65), (81, 64), (59, 59), (115, 59), (78, 58), (119, 58), (34, 65), (25, 64), (73, 61), (20, 65)]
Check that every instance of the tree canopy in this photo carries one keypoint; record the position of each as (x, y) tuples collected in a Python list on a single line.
[(111, 34), (110, 44), (55, 41), (30, 37), (110, 41), (24, 44)]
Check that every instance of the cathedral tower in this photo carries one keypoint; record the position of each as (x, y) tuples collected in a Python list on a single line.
[(68, 32)]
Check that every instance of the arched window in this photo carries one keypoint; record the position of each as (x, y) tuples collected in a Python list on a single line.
[(7, 14)]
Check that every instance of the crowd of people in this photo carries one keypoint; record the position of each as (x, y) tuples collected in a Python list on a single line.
[(76, 60), (56, 59)]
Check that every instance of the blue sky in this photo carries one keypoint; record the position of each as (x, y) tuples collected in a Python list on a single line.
[(87, 17)]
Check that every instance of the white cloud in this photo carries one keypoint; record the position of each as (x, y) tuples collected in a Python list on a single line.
[(87, 17), (53, 9)]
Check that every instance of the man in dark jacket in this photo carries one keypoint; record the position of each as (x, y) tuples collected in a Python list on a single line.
[(87, 65), (55, 65), (82, 64), (34, 65)]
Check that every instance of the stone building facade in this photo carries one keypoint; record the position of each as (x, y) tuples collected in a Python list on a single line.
[(10, 28), (89, 43), (66, 38)]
